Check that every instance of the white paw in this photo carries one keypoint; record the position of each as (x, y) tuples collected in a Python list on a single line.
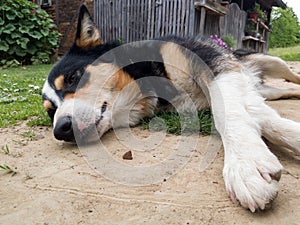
[(252, 180)]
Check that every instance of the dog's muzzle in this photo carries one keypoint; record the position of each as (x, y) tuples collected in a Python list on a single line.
[(77, 120), (70, 129)]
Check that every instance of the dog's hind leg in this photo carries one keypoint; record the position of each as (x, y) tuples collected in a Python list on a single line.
[(272, 93), (273, 67), (251, 172)]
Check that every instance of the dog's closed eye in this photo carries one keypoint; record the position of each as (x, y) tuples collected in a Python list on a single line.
[(74, 78), (103, 107)]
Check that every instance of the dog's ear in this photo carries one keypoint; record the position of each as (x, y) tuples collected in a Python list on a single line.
[(87, 34)]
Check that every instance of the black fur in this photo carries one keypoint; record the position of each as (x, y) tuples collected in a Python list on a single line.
[(240, 53)]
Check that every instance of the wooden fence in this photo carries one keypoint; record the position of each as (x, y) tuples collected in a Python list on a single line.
[(132, 20)]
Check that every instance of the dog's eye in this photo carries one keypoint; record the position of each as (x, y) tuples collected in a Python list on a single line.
[(73, 78), (103, 107), (70, 79)]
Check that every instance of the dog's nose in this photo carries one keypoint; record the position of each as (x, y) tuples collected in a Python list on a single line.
[(63, 129)]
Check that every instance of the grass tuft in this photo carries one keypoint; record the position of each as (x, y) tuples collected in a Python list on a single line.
[(8, 169), (5, 149), (177, 124)]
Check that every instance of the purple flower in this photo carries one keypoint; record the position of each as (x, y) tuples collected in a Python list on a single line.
[(219, 41)]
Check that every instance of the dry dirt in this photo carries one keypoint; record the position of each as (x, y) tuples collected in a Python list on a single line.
[(55, 185)]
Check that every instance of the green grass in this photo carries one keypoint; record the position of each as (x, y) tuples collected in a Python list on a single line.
[(5, 149), (287, 54), (173, 123), (8, 169), (20, 95)]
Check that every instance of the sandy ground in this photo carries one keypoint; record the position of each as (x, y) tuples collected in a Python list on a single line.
[(54, 183)]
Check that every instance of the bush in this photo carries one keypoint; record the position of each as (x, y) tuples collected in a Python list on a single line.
[(230, 41), (27, 33)]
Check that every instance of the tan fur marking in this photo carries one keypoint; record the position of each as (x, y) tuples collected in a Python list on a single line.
[(145, 107), (121, 79), (176, 64), (105, 82), (69, 96), (47, 105), (59, 82)]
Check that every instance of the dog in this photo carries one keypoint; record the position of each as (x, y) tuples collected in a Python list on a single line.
[(161, 75)]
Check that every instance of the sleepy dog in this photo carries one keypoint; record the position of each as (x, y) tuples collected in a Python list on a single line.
[(89, 87)]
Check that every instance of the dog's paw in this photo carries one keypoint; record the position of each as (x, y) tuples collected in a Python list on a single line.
[(252, 182)]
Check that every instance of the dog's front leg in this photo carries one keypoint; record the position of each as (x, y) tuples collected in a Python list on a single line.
[(251, 172)]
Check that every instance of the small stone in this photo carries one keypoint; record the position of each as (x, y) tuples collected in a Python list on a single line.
[(128, 156)]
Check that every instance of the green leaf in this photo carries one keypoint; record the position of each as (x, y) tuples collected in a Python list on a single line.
[(19, 14), (53, 41), (3, 46), (32, 49), (10, 40), (9, 28), (45, 32), (1, 30), (5, 8), (1, 21), (23, 42), (16, 35), (35, 34), (20, 52), (11, 15), (12, 50), (24, 29), (25, 11), (52, 25)]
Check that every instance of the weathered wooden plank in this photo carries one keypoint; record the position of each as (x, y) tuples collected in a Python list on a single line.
[(173, 22), (123, 21), (192, 18), (167, 16), (178, 18), (184, 18), (158, 18), (152, 21)]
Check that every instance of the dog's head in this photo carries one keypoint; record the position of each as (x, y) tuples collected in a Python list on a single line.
[(81, 91), (60, 88)]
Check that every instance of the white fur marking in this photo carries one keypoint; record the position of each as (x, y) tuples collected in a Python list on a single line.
[(50, 94)]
